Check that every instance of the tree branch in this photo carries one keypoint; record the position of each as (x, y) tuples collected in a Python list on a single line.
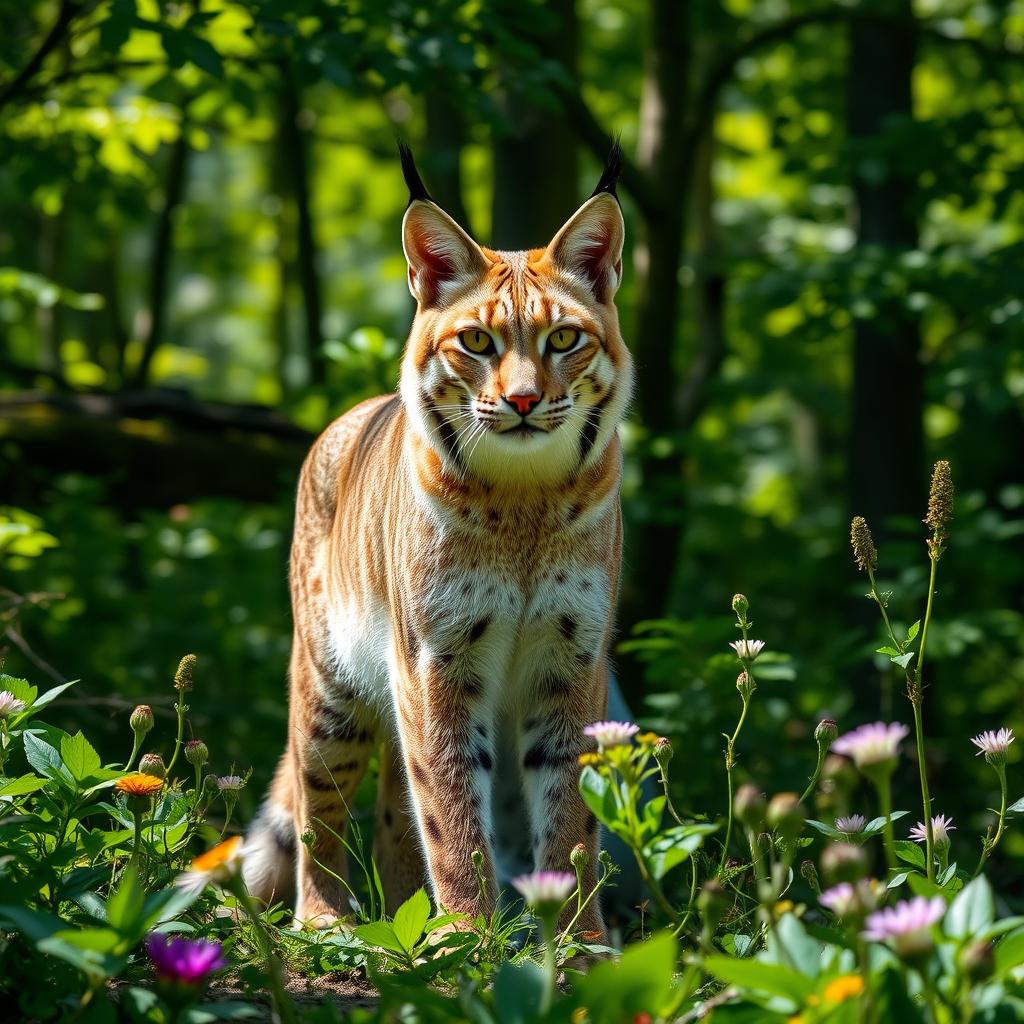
[(69, 9)]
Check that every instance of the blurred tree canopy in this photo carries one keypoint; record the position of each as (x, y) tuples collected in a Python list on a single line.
[(200, 265)]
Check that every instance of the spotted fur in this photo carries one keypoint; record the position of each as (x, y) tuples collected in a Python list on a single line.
[(454, 572)]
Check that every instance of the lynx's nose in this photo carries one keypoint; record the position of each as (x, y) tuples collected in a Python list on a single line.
[(524, 404)]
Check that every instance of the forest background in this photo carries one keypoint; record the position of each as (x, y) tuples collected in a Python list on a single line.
[(200, 266)]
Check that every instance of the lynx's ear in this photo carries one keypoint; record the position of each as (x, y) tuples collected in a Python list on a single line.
[(442, 258)]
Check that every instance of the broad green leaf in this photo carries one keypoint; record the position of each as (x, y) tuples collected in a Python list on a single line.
[(892, 652), (1010, 952), (772, 979), (46, 760), (21, 786), (913, 631), (903, 660), (52, 694), (21, 688), (411, 918), (518, 990), (790, 945), (124, 908), (380, 934), (909, 852), (892, 1001), (641, 982), (973, 910), (675, 845), (79, 756), (598, 796), (35, 924)]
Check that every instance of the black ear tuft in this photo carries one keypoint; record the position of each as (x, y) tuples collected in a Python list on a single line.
[(611, 172), (413, 181)]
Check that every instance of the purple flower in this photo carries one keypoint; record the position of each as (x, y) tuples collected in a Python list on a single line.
[(871, 745), (846, 900), (611, 734), (994, 744), (941, 827), (854, 823), (546, 891), (907, 927), (184, 961)]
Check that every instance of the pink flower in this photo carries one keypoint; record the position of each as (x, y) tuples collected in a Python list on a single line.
[(874, 744), (941, 827), (854, 823), (994, 744), (183, 961), (9, 704), (907, 927), (846, 900), (546, 891), (611, 734)]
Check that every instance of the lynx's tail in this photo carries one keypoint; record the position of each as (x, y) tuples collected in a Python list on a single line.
[(270, 843)]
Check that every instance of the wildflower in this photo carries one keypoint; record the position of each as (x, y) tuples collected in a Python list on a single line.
[(477, 858), (184, 961), (745, 685), (196, 752), (993, 744), (826, 731), (843, 862), (611, 734), (545, 891), (872, 745), (9, 704), (739, 605), (851, 824), (183, 677), (141, 720), (863, 544), (941, 827), (647, 739), (230, 783), (786, 815), (153, 764), (747, 650), (851, 900), (940, 499), (588, 758), (906, 926), (842, 988), (219, 866), (139, 784)]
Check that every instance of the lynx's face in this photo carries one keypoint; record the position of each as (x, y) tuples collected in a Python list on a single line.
[(515, 369)]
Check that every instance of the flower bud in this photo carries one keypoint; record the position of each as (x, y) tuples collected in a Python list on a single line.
[(141, 720), (210, 785), (843, 862), (579, 857), (308, 837), (477, 858), (663, 752), (739, 605), (745, 684), (196, 752), (810, 875), (840, 772), (978, 960), (826, 732), (940, 498), (153, 764), (713, 903), (864, 552), (183, 677), (749, 806), (606, 860), (786, 815)]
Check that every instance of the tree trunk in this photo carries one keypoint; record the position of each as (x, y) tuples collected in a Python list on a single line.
[(442, 156), (295, 144), (535, 154), (886, 435), (163, 245), (652, 544), (50, 319)]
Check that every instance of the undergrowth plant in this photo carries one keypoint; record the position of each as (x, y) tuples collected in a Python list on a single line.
[(756, 911)]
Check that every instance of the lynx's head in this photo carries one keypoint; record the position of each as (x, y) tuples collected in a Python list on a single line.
[(515, 370)]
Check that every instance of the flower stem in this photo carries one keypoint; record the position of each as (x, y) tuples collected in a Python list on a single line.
[(989, 844), (812, 785), (136, 745), (884, 787), (550, 964), (181, 707), (916, 691), (730, 761), (655, 888)]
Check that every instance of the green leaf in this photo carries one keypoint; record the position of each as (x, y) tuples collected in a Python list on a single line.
[(903, 660), (20, 688), (411, 918), (21, 786), (124, 908), (1017, 807), (598, 796), (35, 924), (641, 982), (973, 910), (51, 695), (909, 852), (892, 1001), (913, 631), (673, 846), (379, 934), (79, 756), (892, 652), (771, 979), (1010, 952), (46, 760), (518, 990)]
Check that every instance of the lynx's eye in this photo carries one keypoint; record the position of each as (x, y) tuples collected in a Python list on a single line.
[(477, 342), (563, 339)]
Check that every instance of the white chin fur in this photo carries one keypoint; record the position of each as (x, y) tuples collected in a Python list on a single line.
[(531, 458)]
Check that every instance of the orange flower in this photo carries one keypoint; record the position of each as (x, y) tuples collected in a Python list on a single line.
[(842, 988), (219, 865), (139, 784)]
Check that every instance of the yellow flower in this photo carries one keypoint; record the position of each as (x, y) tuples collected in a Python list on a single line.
[(586, 759), (219, 865), (648, 738), (842, 988), (139, 784), (579, 1015), (783, 907)]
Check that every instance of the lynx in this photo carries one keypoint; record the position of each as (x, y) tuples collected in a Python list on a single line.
[(454, 572)]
